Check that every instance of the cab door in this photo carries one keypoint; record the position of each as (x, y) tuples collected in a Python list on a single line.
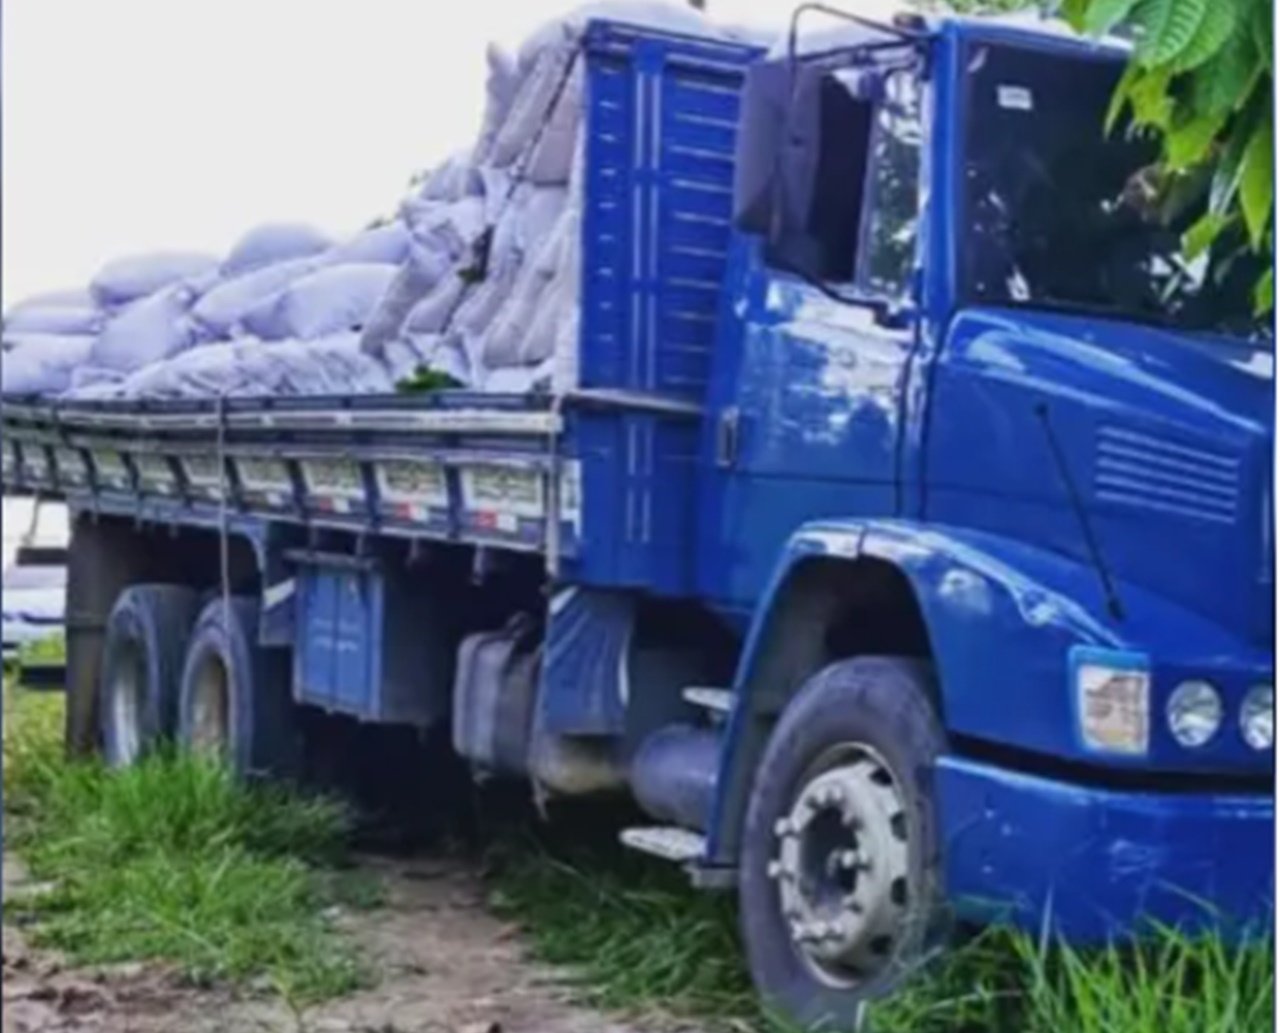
[(809, 391)]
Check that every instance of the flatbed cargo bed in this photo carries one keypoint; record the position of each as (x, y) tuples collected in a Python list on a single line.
[(574, 477)]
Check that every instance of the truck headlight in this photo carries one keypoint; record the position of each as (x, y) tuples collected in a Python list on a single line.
[(1257, 717), (1194, 712), (1113, 704)]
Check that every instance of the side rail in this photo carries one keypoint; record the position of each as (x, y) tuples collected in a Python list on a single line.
[(495, 475), (599, 481)]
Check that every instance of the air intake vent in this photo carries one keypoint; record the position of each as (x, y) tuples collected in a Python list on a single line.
[(1149, 473)]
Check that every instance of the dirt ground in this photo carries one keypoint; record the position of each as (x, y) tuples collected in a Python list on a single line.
[(445, 964)]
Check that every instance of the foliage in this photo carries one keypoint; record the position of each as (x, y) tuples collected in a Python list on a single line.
[(633, 934), (424, 381), (172, 859), (1201, 78), (48, 650)]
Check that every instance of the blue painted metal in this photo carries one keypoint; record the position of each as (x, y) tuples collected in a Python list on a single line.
[(370, 642), (584, 674), (931, 453), (1096, 862), (673, 774), (337, 659)]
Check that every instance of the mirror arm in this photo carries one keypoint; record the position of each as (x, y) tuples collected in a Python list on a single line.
[(908, 35)]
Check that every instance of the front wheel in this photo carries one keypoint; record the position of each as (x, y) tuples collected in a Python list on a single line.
[(840, 888)]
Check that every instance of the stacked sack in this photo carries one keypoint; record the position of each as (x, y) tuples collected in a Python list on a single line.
[(477, 277)]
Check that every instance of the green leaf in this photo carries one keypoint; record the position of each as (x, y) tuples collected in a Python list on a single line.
[(1190, 143), (1121, 99), (1264, 293), (1215, 29), (1167, 26), (1257, 188), (1223, 83), (1148, 92), (1104, 15), (1197, 240), (1264, 33), (1226, 177), (1073, 13)]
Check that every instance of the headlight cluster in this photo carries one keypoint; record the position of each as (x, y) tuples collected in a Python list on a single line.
[(1257, 717), (1113, 703), (1195, 711)]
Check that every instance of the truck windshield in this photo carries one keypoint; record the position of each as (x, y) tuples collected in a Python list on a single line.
[(1061, 215)]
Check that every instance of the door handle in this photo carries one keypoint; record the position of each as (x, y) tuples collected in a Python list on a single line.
[(728, 437)]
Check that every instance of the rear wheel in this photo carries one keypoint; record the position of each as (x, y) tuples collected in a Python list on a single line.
[(840, 883), (235, 699), (146, 638)]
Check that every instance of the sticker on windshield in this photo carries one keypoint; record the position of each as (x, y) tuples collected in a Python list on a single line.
[(1015, 98)]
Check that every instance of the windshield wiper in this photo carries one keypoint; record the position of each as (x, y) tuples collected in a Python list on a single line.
[(1082, 515)]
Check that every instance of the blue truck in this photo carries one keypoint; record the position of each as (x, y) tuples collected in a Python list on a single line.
[(905, 552)]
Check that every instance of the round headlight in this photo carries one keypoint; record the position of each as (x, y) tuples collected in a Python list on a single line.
[(1257, 717), (1194, 713)]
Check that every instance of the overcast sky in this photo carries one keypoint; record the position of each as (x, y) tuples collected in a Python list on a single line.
[(132, 125)]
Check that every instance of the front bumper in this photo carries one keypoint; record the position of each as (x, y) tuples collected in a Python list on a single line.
[(1097, 862)]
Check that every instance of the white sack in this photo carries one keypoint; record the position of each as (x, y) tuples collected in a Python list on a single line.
[(54, 319), (147, 331), (453, 181), (449, 228), (273, 243), (83, 378), (411, 284), (557, 301), (534, 96), (551, 159), (500, 90), (42, 366), (503, 340), (139, 276), (387, 244), (433, 313), (331, 300), (330, 365), (221, 310)]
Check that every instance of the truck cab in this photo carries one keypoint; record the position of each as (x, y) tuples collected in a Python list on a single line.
[(973, 403)]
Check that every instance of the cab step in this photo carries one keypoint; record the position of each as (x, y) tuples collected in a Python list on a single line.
[(683, 847), (678, 845), (717, 702)]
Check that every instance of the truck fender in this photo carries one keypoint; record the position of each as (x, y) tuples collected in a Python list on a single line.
[(978, 597)]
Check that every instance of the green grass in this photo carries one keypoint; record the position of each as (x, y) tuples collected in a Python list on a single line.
[(173, 860), (635, 936), (48, 650)]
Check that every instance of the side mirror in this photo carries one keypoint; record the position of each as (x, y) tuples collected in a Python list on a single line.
[(779, 132), (821, 172)]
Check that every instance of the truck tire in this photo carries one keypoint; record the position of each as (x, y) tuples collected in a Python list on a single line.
[(841, 870), (146, 640), (235, 697)]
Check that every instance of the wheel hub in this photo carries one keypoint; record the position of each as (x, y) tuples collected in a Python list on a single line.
[(210, 717), (841, 867)]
